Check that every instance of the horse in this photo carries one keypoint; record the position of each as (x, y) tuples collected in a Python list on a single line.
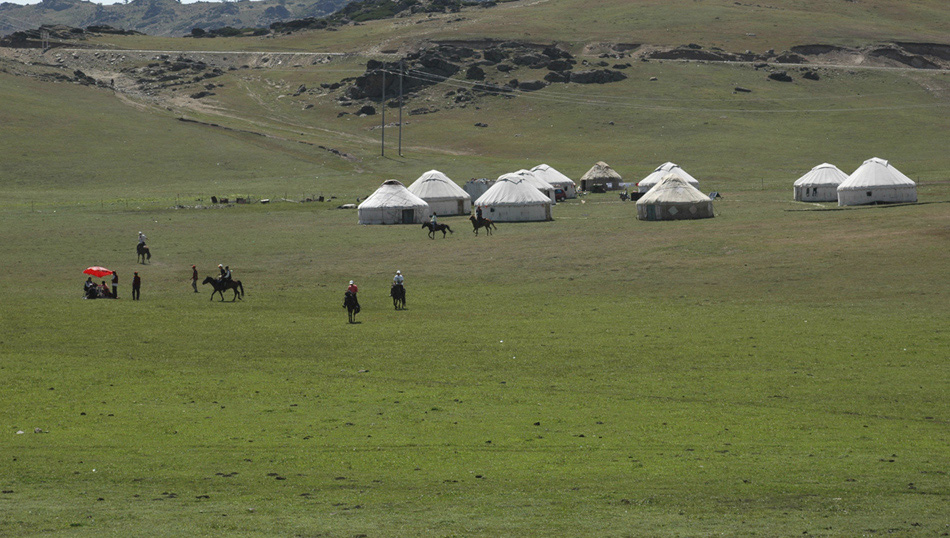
[(482, 223), (437, 228), (143, 253), (220, 286), (398, 293), (352, 306)]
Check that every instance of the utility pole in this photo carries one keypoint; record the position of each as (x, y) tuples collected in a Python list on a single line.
[(382, 137), (400, 106)]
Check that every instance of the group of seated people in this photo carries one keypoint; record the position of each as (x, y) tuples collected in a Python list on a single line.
[(91, 290)]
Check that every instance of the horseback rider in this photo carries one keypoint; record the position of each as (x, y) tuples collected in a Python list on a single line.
[(142, 238), (227, 273), (398, 290), (351, 290), (221, 276), (478, 212), (432, 220)]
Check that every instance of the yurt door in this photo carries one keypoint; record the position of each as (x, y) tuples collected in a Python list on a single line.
[(461, 207), (651, 212), (407, 216)]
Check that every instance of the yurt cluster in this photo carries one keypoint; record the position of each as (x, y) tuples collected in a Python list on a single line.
[(874, 182), (667, 193), (525, 195)]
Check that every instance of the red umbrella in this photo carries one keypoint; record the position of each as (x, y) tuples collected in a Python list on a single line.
[(97, 271)]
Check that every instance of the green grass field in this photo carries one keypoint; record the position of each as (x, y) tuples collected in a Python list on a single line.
[(773, 371)]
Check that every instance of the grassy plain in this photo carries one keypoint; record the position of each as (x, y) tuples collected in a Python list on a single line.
[(767, 372)]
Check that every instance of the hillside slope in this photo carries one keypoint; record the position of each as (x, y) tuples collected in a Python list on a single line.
[(161, 17)]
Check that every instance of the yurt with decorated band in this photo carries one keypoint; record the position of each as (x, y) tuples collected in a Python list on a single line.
[(442, 194), (392, 203), (673, 198)]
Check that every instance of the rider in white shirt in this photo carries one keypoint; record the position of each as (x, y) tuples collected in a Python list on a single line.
[(398, 279), (142, 238)]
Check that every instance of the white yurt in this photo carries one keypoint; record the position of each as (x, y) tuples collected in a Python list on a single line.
[(661, 171), (673, 198), (556, 179), (477, 187), (820, 184), (442, 194), (530, 178), (514, 199), (392, 203), (876, 182)]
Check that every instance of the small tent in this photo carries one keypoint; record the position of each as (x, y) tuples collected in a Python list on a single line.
[(392, 203), (651, 180), (477, 187), (601, 177), (673, 198), (442, 194), (532, 179), (876, 182), (514, 199), (820, 184), (556, 179)]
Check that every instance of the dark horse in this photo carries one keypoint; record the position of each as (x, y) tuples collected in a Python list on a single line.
[(143, 253), (221, 286), (482, 223), (352, 306), (437, 228), (398, 293)]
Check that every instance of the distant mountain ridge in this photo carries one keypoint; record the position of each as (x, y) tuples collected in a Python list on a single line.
[(162, 17)]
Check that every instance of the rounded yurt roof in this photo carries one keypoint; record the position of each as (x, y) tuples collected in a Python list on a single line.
[(392, 194), (673, 189), (661, 171), (601, 170), (530, 178), (511, 189), (551, 175), (823, 175), (876, 172), (435, 186)]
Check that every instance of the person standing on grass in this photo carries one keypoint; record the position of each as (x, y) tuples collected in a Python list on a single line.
[(136, 287), (194, 278), (115, 285)]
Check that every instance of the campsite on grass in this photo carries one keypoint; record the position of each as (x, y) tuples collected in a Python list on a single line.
[(629, 327)]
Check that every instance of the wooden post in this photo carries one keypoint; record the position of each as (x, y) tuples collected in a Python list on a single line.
[(400, 106)]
